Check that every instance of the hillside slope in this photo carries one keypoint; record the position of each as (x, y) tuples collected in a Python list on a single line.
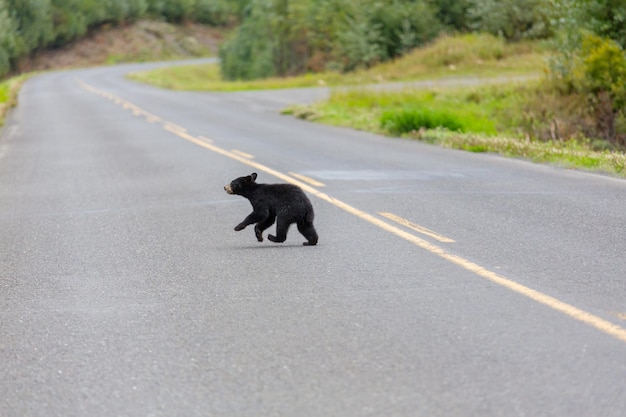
[(141, 41)]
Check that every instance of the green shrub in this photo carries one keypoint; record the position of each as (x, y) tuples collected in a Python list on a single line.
[(600, 74), (452, 13), (33, 22), (8, 35), (213, 12), (248, 54), (601, 68), (605, 18), (511, 19), (398, 122), (296, 37)]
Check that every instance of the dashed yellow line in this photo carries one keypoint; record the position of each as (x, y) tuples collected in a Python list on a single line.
[(621, 316), (205, 139), (558, 305), (242, 154), (416, 227), (308, 180), (173, 128)]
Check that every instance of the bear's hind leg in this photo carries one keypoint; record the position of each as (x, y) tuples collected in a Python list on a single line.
[(308, 231), (281, 231)]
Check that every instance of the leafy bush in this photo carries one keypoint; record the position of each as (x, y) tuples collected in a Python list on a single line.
[(590, 61), (600, 73), (403, 25), (248, 55), (414, 119), (213, 12), (606, 18), (452, 13), (601, 68), (359, 45), (33, 23), (296, 37), (173, 11), (511, 19), (8, 35)]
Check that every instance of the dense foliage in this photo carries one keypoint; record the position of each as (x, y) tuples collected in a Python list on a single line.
[(279, 37), (590, 61), (512, 19), (29, 25), (288, 37), (282, 37)]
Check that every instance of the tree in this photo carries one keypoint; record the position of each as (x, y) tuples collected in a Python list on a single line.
[(292, 37), (590, 58), (600, 74), (8, 41), (606, 18), (249, 53), (512, 19), (452, 13), (34, 26)]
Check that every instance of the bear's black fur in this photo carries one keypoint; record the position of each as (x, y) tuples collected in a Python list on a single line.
[(283, 203)]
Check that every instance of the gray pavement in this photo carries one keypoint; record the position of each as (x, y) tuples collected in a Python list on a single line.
[(124, 290)]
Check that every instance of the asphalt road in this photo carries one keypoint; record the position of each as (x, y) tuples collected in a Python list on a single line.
[(124, 290)]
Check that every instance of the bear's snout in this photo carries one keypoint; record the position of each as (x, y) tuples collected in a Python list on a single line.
[(228, 189)]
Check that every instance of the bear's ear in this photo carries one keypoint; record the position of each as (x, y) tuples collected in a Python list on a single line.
[(253, 176)]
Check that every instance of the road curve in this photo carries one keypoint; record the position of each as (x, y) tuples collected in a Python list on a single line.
[(444, 283)]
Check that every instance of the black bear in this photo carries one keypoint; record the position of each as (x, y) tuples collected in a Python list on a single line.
[(283, 203)]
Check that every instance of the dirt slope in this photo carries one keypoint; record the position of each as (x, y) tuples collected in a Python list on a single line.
[(141, 41)]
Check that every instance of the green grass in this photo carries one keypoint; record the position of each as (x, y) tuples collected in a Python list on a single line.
[(483, 110), (570, 154), (8, 94), (477, 55), (407, 120), (4, 92), (492, 119), (207, 78), (506, 119)]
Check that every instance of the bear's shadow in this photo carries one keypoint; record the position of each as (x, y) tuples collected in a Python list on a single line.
[(262, 246)]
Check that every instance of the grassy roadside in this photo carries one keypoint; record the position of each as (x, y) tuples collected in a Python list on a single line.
[(512, 120), (145, 40), (515, 120), (476, 55), (500, 119), (574, 155), (8, 94)]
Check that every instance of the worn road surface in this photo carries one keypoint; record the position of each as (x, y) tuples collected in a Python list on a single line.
[(444, 283)]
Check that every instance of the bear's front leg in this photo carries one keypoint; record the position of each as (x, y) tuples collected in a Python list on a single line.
[(250, 219), (261, 226), (254, 217)]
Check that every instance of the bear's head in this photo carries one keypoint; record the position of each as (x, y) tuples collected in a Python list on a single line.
[(240, 185)]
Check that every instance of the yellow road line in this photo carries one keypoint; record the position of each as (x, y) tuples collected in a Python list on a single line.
[(152, 119), (243, 154), (205, 139), (567, 309), (416, 227), (174, 128), (621, 316), (306, 179)]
